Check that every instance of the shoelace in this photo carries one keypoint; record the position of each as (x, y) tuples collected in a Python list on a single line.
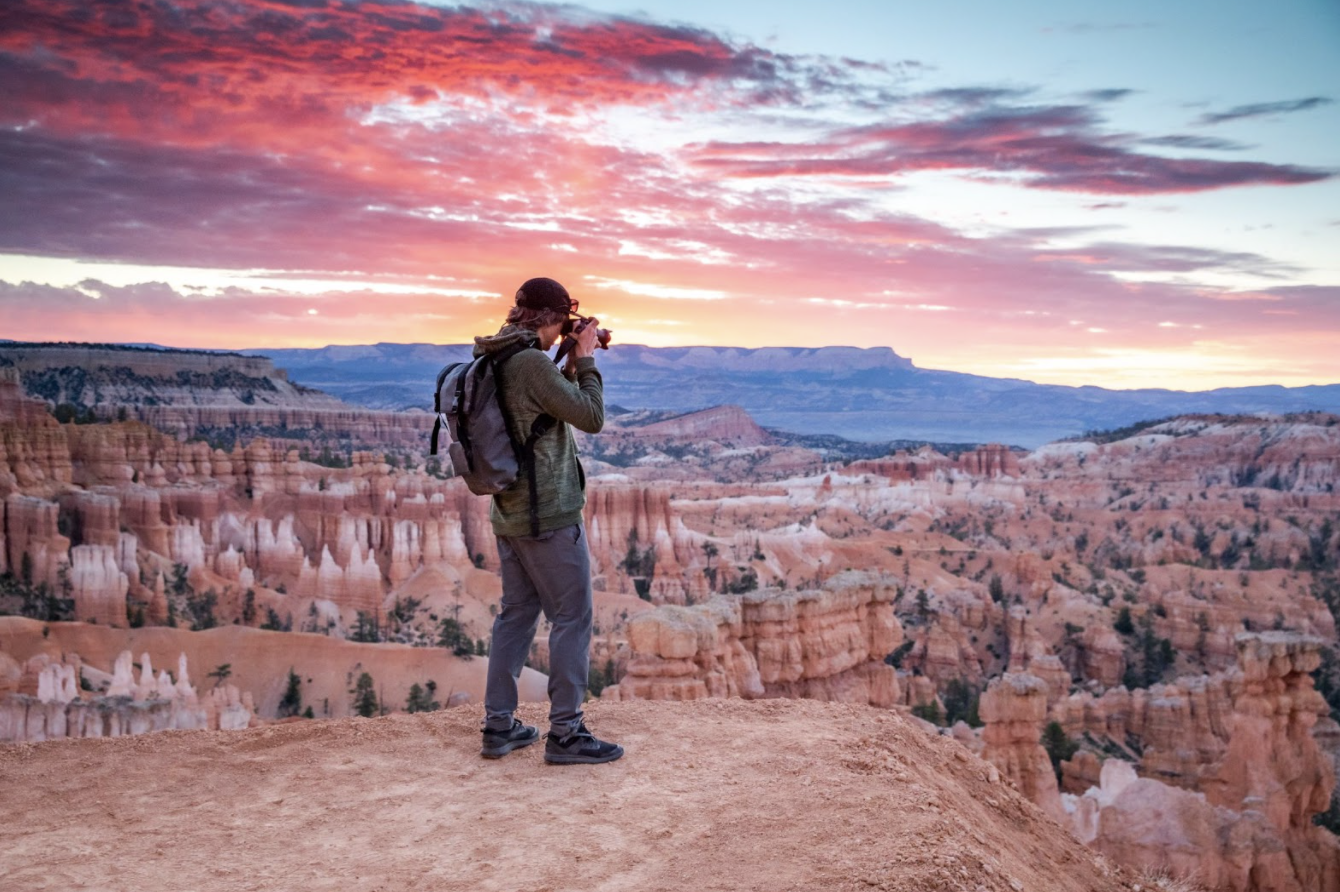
[(580, 733)]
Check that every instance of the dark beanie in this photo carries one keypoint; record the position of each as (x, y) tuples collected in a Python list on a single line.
[(543, 294)]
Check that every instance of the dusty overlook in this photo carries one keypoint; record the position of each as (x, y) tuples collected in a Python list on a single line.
[(1051, 581)]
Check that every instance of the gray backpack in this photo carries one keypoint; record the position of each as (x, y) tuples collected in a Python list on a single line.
[(479, 426)]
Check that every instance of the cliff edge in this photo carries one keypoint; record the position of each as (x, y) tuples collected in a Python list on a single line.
[(766, 795)]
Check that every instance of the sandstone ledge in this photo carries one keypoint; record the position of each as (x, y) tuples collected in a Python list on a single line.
[(730, 795)]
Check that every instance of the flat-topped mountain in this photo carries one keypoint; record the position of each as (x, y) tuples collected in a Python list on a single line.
[(860, 394), (224, 398), (102, 376)]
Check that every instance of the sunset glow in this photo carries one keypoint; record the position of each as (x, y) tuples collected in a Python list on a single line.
[(264, 173)]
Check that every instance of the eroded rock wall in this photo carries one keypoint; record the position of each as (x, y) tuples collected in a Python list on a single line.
[(1250, 779), (827, 644)]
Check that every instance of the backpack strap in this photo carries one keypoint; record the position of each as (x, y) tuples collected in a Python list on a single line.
[(499, 359), (437, 406), (541, 426), (525, 452)]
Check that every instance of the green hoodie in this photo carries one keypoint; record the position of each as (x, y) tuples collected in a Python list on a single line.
[(530, 385)]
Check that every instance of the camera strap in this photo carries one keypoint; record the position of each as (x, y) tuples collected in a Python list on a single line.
[(564, 348)]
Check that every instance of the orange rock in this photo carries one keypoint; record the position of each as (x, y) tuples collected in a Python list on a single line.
[(826, 645), (1014, 708)]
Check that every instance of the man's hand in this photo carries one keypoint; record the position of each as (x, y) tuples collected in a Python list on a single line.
[(586, 341), (585, 345)]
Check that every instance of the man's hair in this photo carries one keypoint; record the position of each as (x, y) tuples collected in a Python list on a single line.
[(525, 317)]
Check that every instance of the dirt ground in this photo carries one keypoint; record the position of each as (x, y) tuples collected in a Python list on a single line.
[(716, 795)]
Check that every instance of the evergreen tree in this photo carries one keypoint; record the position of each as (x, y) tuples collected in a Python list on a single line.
[(365, 697), (930, 712), (221, 673), (1124, 625), (421, 699), (291, 703), (367, 629), (452, 636), (1059, 747), (961, 703)]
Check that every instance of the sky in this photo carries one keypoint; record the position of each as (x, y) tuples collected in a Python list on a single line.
[(1130, 194)]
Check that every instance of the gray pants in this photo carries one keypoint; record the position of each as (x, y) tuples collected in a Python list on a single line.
[(549, 572)]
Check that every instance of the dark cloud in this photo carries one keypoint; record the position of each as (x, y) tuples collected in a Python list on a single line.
[(1111, 95), (975, 97), (1044, 147), (1119, 257), (1185, 141), (1264, 109)]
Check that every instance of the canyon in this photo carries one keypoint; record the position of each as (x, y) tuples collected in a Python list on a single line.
[(1159, 604)]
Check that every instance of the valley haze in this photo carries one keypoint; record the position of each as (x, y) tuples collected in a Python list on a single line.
[(864, 394)]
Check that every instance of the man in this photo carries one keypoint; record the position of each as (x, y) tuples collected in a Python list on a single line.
[(549, 571)]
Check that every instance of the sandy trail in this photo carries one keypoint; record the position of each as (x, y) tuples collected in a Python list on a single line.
[(728, 795)]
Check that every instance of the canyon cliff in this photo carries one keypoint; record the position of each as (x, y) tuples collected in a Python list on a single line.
[(1102, 585)]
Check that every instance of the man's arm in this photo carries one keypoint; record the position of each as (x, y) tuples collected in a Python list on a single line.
[(582, 404)]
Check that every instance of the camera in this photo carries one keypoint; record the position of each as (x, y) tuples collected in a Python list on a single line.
[(573, 326)]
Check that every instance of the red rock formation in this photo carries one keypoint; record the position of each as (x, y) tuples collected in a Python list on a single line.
[(1272, 764), (1029, 653), (34, 454), (1255, 776), (721, 424), (991, 460), (35, 549), (97, 585), (826, 645), (1014, 708)]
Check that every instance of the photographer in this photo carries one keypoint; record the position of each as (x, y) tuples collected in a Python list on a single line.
[(541, 536)]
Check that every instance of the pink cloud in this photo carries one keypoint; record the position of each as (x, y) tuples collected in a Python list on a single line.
[(412, 140)]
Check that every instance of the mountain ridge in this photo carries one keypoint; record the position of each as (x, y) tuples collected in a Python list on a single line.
[(864, 394)]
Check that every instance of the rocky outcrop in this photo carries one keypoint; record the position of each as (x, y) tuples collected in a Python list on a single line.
[(97, 584), (991, 460), (1013, 708), (125, 705), (35, 550), (1254, 778), (825, 645), (1272, 763), (34, 454), (1030, 653), (729, 425), (188, 393)]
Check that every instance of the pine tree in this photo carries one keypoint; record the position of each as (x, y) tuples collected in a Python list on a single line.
[(291, 703), (365, 698), (1059, 747), (421, 700)]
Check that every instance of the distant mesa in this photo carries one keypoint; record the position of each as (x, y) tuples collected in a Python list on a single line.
[(861, 394)]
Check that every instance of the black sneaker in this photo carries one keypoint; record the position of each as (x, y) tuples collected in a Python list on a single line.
[(499, 743), (581, 746)]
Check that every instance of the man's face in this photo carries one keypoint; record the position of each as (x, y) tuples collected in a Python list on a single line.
[(549, 334)]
